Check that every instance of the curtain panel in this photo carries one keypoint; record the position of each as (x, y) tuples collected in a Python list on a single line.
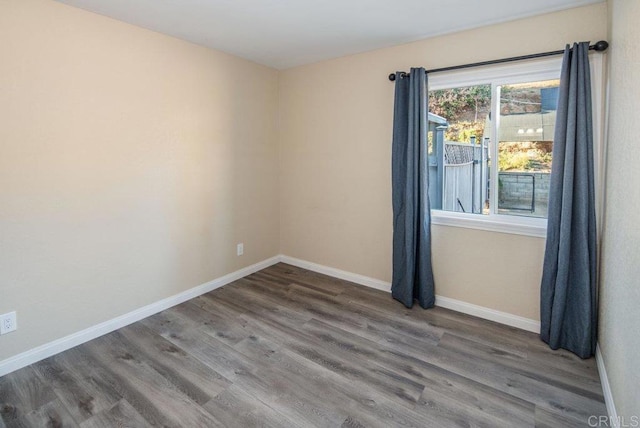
[(412, 268), (568, 295)]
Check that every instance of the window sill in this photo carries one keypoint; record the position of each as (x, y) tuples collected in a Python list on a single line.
[(527, 226)]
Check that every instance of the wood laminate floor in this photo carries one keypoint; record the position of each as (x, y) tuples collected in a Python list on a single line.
[(286, 347)]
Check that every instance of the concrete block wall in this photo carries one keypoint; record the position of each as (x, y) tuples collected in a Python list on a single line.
[(516, 187)]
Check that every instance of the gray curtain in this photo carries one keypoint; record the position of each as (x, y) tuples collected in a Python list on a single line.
[(412, 271), (568, 300)]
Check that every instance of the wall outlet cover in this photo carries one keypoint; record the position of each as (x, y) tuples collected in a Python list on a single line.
[(8, 323)]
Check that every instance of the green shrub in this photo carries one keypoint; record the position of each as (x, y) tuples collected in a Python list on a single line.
[(513, 158), (513, 161)]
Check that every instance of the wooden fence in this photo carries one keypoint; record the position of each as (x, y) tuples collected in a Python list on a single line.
[(458, 172)]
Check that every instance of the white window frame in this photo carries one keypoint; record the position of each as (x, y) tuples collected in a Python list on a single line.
[(504, 74)]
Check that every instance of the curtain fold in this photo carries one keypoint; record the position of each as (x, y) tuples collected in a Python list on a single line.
[(568, 295), (412, 269)]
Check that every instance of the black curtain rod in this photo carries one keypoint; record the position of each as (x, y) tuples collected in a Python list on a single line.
[(600, 46)]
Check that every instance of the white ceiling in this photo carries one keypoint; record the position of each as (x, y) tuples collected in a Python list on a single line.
[(287, 33)]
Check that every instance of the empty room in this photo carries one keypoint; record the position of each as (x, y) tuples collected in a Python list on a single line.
[(298, 213)]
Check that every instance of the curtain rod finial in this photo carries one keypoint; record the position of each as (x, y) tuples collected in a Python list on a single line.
[(601, 46), (392, 76)]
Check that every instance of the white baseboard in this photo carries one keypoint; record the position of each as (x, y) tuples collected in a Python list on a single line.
[(606, 390), (488, 314), (444, 302), (337, 273), (44, 351)]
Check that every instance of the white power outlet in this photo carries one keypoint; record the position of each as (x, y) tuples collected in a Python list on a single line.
[(240, 249), (8, 323)]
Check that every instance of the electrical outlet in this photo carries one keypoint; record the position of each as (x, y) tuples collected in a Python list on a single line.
[(240, 250), (8, 323)]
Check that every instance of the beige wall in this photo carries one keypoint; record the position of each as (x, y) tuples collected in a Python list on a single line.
[(131, 163), (619, 334), (335, 132)]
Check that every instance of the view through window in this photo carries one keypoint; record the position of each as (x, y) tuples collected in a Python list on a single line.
[(470, 171)]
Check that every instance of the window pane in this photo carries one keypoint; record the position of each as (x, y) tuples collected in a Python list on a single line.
[(526, 125), (459, 134)]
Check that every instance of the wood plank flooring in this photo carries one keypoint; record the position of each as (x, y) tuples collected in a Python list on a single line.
[(286, 347)]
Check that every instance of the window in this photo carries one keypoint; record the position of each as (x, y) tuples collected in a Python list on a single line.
[(490, 144), (461, 128)]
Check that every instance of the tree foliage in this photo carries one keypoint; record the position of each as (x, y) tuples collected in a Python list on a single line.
[(452, 104), (463, 131), (463, 108)]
